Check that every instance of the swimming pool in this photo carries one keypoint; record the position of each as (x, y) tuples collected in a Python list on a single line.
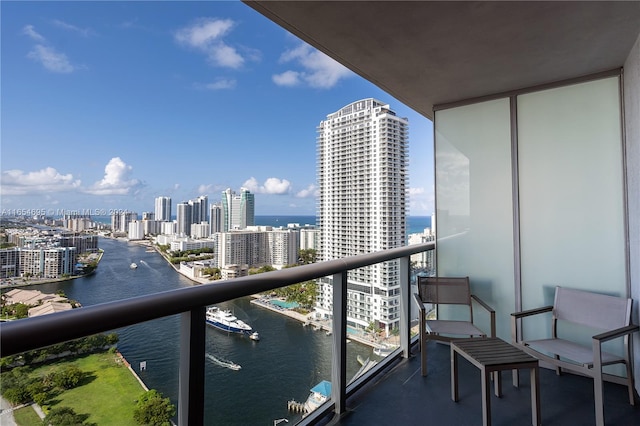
[(285, 305)]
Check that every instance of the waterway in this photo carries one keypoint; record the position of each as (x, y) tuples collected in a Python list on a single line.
[(284, 365)]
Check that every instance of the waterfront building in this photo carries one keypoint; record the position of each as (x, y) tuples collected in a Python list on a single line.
[(120, 221), (168, 228), (82, 243), (163, 209), (136, 230), (152, 227), (362, 176), (243, 247), (78, 224), (234, 271), (9, 260), (47, 263), (148, 216), (238, 210), (186, 243), (183, 219)]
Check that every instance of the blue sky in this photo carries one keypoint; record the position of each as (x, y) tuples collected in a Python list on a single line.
[(107, 105)]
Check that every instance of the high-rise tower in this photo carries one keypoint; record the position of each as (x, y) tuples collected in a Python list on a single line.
[(163, 209), (362, 176), (184, 218), (238, 210)]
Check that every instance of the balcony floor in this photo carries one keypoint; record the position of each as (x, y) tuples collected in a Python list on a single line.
[(404, 397)]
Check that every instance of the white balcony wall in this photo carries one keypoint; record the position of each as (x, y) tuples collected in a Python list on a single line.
[(569, 214), (571, 193), (474, 204)]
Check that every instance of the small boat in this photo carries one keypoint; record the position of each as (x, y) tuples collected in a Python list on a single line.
[(224, 320), (320, 393), (254, 336), (133, 266), (383, 350), (224, 363)]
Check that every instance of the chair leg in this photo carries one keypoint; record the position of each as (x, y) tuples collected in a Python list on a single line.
[(423, 356), (632, 399), (597, 393)]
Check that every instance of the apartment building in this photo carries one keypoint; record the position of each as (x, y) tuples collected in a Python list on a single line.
[(163, 209), (362, 176)]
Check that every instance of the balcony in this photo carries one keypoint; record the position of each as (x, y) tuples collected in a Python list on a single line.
[(393, 390), (190, 303)]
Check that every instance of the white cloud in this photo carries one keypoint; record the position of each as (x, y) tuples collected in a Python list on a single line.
[(31, 32), (219, 84), (85, 32), (50, 59), (209, 189), (318, 70), (206, 35), (287, 78), (271, 186), (416, 191), (47, 180), (310, 191), (47, 55), (116, 180)]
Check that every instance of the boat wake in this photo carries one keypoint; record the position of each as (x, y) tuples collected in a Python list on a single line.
[(222, 363)]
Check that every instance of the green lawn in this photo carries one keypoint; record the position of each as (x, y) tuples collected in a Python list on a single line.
[(108, 394), (26, 416)]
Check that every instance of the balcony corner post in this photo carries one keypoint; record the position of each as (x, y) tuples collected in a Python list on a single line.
[(339, 332), (405, 305), (191, 381)]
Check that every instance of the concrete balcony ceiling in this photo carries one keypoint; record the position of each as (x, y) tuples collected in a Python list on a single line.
[(428, 53)]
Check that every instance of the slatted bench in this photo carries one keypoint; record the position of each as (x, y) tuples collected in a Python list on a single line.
[(608, 316)]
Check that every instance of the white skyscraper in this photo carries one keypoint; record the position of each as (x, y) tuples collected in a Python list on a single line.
[(362, 175), (238, 210), (163, 209)]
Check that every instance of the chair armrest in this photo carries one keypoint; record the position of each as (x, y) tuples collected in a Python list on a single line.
[(517, 315), (483, 304), (612, 334), (491, 311), (417, 299), (530, 312)]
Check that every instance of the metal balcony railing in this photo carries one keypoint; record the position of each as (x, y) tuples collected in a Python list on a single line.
[(38, 332)]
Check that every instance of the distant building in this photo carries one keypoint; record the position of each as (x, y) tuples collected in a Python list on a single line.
[(362, 174), (136, 230), (168, 228), (9, 261), (183, 218), (234, 271), (215, 218), (200, 230), (309, 239), (199, 209), (120, 221), (163, 209), (47, 263), (238, 210)]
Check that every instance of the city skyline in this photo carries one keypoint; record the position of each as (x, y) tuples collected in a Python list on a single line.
[(108, 106)]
